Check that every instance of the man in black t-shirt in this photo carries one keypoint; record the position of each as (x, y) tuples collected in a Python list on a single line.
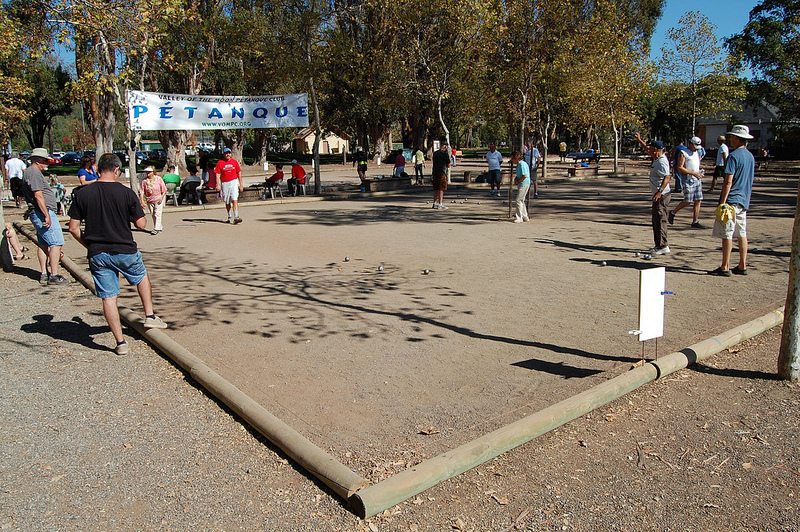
[(108, 208), (441, 162), (361, 159)]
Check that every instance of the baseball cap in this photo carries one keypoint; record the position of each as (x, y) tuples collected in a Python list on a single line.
[(696, 141), (226, 150), (294, 161), (721, 138), (739, 131), (656, 144)]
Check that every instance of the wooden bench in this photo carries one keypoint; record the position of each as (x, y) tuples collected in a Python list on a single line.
[(575, 171), (762, 162), (251, 193), (386, 183)]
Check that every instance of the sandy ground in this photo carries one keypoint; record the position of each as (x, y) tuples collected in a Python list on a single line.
[(510, 318)]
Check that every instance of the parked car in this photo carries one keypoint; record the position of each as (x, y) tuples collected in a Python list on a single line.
[(53, 160), (123, 155), (140, 157), (158, 154), (70, 158)]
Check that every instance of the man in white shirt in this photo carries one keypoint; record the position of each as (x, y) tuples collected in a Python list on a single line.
[(722, 158), (494, 159), (688, 166), (533, 157), (14, 169)]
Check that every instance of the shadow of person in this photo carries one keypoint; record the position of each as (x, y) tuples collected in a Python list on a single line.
[(75, 331)]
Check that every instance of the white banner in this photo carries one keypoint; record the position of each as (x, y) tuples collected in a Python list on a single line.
[(153, 111)]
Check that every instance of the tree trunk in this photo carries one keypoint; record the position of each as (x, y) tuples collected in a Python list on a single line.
[(133, 146), (616, 142), (317, 137), (174, 143), (789, 355), (234, 139), (446, 131), (260, 143)]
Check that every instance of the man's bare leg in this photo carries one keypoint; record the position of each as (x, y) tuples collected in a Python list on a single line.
[(145, 290), (111, 312)]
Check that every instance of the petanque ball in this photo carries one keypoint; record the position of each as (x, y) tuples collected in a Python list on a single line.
[(380, 268), (426, 272), (347, 259)]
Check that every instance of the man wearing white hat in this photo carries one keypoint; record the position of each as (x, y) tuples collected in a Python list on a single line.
[(736, 190), (722, 158), (688, 166), (48, 230)]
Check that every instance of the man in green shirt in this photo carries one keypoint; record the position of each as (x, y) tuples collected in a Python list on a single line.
[(419, 165)]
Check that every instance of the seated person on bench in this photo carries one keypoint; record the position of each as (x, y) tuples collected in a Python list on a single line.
[(298, 178), (190, 185), (273, 181)]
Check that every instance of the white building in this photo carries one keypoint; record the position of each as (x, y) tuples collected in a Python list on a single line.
[(761, 119)]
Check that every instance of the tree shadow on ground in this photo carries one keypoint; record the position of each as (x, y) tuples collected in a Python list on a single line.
[(304, 304)]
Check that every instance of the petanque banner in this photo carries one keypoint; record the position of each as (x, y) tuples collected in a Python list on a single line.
[(154, 111)]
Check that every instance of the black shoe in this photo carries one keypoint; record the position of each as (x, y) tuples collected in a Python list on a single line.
[(737, 271), (696, 225), (671, 217), (719, 272)]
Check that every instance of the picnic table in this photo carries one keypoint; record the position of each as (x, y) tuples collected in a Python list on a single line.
[(585, 156)]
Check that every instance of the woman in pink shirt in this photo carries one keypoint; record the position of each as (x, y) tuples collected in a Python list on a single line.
[(152, 196)]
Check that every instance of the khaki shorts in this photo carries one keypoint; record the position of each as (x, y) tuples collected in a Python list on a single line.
[(439, 181), (734, 228)]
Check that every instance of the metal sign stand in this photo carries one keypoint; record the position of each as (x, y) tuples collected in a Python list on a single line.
[(651, 307)]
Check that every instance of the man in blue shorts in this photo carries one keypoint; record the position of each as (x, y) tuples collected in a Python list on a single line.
[(44, 219), (690, 173), (495, 160), (108, 208), (736, 191)]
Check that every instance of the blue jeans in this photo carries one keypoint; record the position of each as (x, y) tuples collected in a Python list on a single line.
[(53, 235), (106, 267)]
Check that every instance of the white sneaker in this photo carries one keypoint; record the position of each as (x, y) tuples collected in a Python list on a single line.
[(154, 323), (517, 220), (443, 206), (660, 251)]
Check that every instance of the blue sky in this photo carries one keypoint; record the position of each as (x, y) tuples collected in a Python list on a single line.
[(730, 16)]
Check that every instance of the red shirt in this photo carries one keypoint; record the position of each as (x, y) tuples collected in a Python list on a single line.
[(298, 173), (276, 177), (227, 170)]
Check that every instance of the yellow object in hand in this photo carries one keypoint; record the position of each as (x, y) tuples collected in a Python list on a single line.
[(725, 212)]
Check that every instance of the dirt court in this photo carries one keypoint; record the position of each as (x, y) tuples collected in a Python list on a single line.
[(511, 318)]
